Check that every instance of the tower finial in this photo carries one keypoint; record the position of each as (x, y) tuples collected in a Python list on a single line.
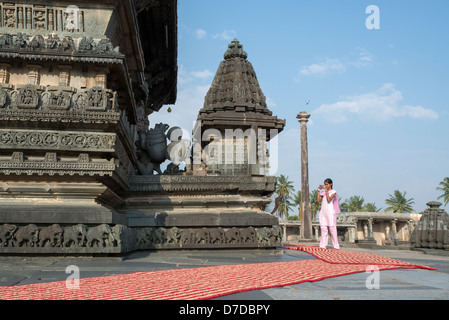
[(235, 49)]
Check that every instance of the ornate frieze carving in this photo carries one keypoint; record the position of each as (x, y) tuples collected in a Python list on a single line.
[(195, 183), (51, 165), (35, 17), (57, 140), (52, 44), (57, 100), (27, 98), (30, 97), (74, 236), (175, 237)]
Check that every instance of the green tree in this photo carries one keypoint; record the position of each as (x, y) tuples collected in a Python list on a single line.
[(398, 203), (353, 204), (370, 207), (445, 188), (284, 188), (297, 202), (314, 204)]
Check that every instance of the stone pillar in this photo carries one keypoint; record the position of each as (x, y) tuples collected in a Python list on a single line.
[(395, 231), (34, 76), (101, 79), (306, 223), (370, 228), (64, 75), (317, 233), (4, 73)]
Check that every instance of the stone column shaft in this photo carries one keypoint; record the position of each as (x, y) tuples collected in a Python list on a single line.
[(306, 223)]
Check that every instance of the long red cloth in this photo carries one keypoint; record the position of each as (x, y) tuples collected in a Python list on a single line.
[(208, 282)]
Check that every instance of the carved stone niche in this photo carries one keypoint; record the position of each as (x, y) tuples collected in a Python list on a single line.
[(27, 97), (57, 99), (3, 97), (95, 99)]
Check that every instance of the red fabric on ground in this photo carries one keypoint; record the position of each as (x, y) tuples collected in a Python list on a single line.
[(208, 282)]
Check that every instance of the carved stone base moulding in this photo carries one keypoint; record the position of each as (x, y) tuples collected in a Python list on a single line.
[(104, 238)]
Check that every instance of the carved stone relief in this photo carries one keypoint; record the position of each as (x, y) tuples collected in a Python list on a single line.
[(53, 44), (30, 98), (56, 236), (207, 237), (42, 17), (56, 140)]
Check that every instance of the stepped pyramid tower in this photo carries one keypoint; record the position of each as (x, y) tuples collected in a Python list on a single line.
[(235, 123)]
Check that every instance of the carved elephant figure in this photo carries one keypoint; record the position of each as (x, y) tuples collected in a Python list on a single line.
[(153, 145), (100, 235), (248, 235), (124, 236), (159, 236), (232, 235), (51, 235), (202, 236), (75, 236), (173, 235), (144, 236), (276, 234), (26, 236), (7, 234), (217, 235), (263, 235), (187, 236)]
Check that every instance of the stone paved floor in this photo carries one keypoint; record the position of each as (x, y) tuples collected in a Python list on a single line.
[(393, 284)]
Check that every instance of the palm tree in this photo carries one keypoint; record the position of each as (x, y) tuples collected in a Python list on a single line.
[(353, 204), (445, 188), (284, 188), (297, 202), (314, 204), (398, 203), (371, 207)]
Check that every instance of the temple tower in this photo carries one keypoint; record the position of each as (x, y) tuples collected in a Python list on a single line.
[(235, 124)]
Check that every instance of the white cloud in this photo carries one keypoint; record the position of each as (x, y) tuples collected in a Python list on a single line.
[(192, 89), (329, 66), (381, 105), (225, 35), (324, 68), (200, 33), (202, 74)]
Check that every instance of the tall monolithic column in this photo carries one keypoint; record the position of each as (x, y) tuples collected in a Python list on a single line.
[(306, 221)]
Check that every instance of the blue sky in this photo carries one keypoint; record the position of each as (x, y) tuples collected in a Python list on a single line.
[(379, 98)]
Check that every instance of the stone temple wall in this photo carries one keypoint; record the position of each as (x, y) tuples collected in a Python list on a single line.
[(76, 176)]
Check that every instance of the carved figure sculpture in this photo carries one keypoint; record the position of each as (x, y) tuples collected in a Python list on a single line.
[(202, 236), (217, 235), (173, 235), (187, 236), (153, 145), (6, 234), (101, 236), (178, 150), (232, 235), (276, 234), (26, 236), (159, 236), (248, 235), (123, 235), (263, 235), (144, 236), (75, 236), (51, 235)]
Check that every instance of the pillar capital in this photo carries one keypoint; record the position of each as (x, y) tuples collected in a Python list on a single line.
[(303, 116)]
